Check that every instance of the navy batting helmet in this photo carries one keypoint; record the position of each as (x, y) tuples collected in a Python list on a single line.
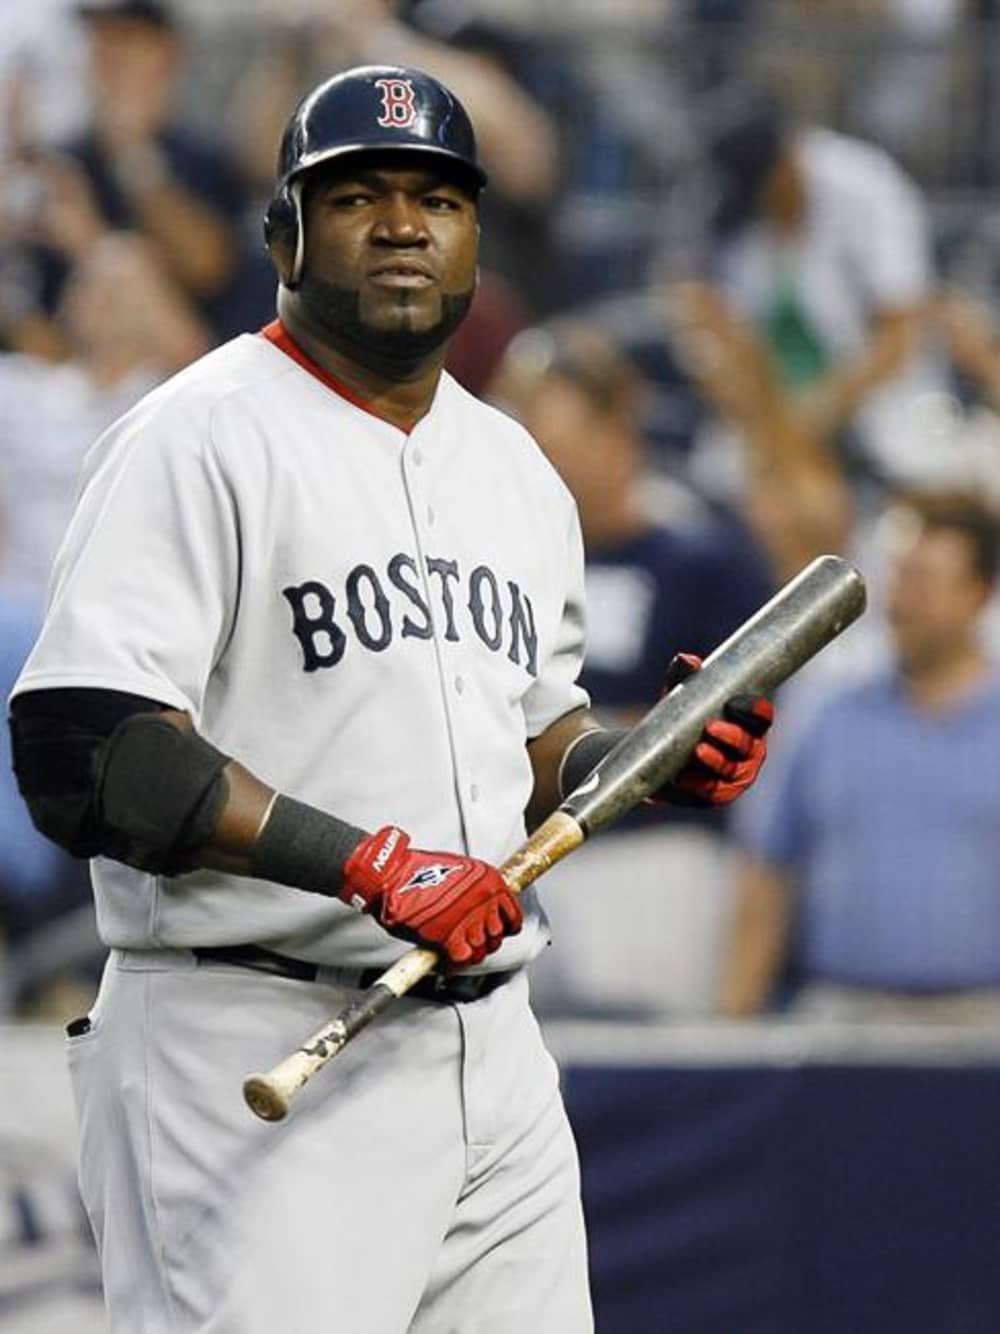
[(369, 109)]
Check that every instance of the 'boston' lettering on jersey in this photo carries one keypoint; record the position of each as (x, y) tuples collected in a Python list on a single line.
[(501, 614)]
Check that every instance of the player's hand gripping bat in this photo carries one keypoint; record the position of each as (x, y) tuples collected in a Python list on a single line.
[(804, 616)]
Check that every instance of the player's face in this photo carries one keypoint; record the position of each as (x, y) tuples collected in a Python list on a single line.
[(390, 255)]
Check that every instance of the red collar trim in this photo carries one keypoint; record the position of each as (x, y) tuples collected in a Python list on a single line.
[(276, 333)]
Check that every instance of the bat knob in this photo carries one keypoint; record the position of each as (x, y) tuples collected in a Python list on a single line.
[(264, 1099)]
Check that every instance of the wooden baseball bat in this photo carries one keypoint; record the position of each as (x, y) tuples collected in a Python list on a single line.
[(804, 616)]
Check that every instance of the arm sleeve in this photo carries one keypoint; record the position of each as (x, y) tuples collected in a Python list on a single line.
[(146, 582), (556, 691)]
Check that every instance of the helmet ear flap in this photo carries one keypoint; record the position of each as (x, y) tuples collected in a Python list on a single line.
[(283, 227)]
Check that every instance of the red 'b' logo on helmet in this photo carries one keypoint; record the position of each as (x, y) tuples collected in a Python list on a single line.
[(398, 106)]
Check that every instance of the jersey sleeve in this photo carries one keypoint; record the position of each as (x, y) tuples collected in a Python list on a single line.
[(556, 690), (145, 585)]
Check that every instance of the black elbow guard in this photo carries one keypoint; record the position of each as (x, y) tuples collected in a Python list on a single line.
[(158, 795), (148, 794)]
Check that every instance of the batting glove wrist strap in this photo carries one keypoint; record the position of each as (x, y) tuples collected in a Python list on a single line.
[(376, 864), (456, 905)]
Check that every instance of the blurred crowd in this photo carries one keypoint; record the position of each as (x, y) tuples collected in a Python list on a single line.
[(749, 322)]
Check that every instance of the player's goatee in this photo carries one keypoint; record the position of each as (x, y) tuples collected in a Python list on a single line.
[(337, 311)]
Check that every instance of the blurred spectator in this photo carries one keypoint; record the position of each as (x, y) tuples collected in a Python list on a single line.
[(872, 867), (966, 422), (125, 327), (476, 350), (970, 328), (149, 169), (42, 75), (137, 167), (820, 242), (639, 915), (48, 219), (793, 492)]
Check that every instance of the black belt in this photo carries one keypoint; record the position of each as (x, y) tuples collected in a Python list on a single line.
[(445, 988)]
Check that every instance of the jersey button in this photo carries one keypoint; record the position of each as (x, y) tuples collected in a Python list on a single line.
[(459, 684), (418, 458), (430, 514), (474, 792)]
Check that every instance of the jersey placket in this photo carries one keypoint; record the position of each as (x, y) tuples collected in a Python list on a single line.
[(429, 522)]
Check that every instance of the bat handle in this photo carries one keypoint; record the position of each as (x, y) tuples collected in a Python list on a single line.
[(270, 1095)]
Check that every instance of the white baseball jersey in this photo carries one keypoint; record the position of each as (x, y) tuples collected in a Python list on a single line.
[(373, 622)]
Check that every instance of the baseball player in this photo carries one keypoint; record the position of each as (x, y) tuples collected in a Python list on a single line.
[(309, 659)]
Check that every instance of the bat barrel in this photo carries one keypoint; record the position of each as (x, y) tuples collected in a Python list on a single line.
[(807, 613)]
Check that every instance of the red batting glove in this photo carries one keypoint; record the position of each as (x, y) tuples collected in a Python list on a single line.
[(729, 755), (456, 905)]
